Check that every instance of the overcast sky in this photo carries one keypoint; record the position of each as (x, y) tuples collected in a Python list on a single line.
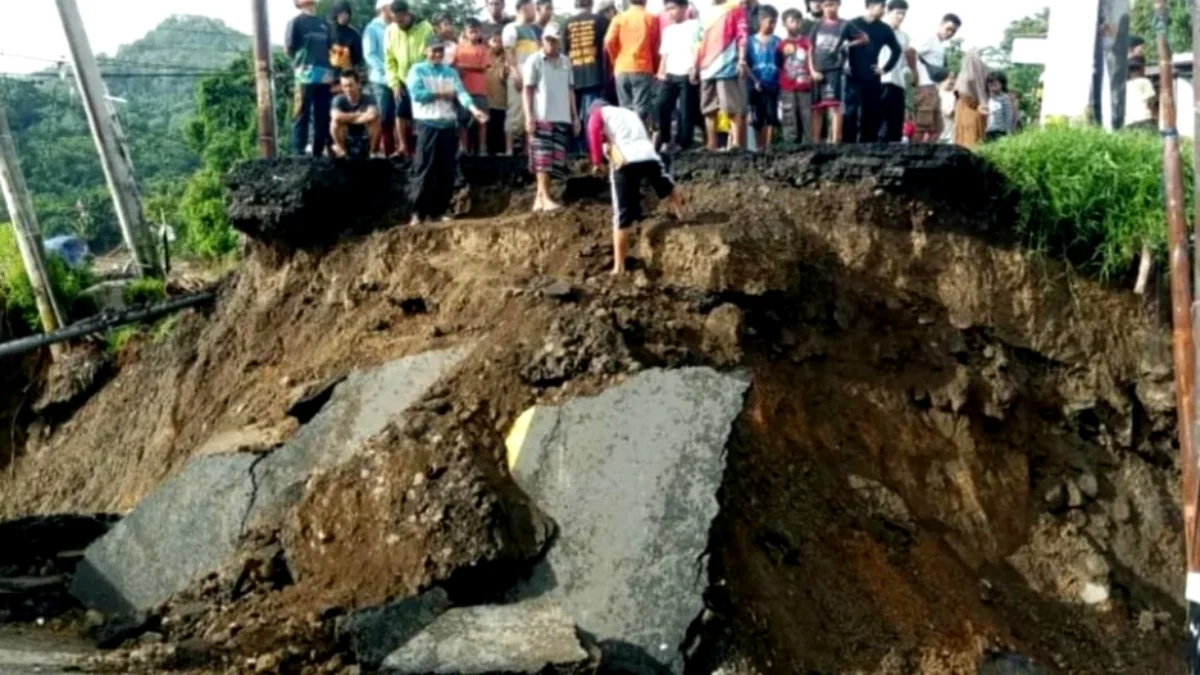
[(111, 23)]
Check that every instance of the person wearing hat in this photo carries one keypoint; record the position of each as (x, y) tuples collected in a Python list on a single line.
[(618, 135), (435, 87), (404, 43), (374, 36), (307, 41), (551, 118)]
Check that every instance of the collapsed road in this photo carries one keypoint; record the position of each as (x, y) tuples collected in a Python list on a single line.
[(835, 422)]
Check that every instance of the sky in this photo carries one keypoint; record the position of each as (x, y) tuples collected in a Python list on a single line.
[(111, 23)]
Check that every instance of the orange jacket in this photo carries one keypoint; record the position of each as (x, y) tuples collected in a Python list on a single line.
[(632, 41)]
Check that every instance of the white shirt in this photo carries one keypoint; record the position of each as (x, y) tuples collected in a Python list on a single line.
[(932, 50), (679, 42), (554, 81), (1138, 94), (625, 131), (899, 75)]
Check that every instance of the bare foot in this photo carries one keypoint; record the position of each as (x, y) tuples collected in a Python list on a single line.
[(337, 152), (416, 220), (617, 271), (548, 206), (446, 219)]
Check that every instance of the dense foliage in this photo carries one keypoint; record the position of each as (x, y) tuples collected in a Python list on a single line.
[(16, 294), (1179, 29), (1086, 195)]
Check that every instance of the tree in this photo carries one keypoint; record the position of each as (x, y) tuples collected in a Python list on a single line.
[(1179, 32)]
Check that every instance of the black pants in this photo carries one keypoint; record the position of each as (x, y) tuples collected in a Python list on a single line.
[(892, 102), (312, 106), (495, 131), (675, 94), (431, 184), (863, 100)]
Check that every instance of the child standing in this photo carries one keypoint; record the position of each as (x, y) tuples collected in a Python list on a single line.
[(444, 26), (497, 94), (795, 82), (472, 60), (832, 36), (999, 107), (765, 57)]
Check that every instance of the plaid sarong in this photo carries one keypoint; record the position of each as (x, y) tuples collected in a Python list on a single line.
[(548, 149)]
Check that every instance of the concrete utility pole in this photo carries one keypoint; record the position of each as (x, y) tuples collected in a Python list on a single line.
[(114, 158), (267, 139), (24, 221), (1182, 334)]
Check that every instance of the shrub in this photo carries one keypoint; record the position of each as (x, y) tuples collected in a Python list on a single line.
[(1087, 195), (20, 307), (144, 292)]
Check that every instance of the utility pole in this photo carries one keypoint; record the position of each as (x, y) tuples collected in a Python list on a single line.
[(114, 158), (267, 139), (1182, 334), (24, 222)]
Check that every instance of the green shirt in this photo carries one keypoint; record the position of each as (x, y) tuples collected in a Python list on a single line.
[(403, 49)]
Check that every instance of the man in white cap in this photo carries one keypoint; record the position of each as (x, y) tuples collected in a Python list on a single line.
[(551, 118), (373, 51)]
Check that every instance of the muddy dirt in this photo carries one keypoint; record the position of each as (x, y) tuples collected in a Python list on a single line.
[(951, 450)]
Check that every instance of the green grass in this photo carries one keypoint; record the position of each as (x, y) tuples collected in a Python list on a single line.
[(144, 291), (118, 338), (1088, 196)]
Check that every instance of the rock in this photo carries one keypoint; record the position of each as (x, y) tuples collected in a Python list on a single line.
[(882, 502), (1074, 495), (1056, 497), (107, 296), (256, 439), (121, 628), (191, 524), (1121, 511), (723, 333), (1094, 593), (372, 634), (266, 663), (631, 478), (535, 636), (1088, 485), (560, 290)]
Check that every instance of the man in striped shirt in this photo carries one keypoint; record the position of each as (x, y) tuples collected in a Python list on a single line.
[(721, 62), (434, 88)]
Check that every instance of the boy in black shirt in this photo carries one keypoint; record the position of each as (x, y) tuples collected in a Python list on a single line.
[(355, 127), (864, 91)]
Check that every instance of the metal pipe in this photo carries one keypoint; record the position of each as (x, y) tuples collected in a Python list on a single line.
[(103, 322), (1182, 336)]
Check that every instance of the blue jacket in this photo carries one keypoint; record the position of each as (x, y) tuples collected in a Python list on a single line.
[(425, 80), (373, 42)]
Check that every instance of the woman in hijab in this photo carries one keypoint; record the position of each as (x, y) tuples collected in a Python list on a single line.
[(970, 112)]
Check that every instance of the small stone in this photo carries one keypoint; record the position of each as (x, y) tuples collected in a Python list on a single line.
[(1056, 497), (266, 663), (1120, 509), (1094, 593), (1146, 622), (1089, 485), (151, 638), (1074, 495), (93, 619), (419, 479), (559, 290)]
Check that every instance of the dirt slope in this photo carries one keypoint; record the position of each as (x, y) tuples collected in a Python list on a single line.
[(950, 449)]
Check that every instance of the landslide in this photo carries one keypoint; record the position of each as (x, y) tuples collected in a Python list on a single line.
[(952, 451)]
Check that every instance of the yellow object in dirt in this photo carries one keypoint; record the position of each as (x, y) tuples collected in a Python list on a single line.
[(516, 437)]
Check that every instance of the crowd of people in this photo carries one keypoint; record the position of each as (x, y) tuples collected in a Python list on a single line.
[(625, 87)]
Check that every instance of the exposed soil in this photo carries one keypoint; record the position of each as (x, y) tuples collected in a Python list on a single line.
[(951, 450)]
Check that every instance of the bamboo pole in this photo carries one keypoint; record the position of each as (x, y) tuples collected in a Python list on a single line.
[(1182, 337)]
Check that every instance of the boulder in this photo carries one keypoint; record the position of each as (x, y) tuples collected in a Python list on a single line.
[(534, 636), (631, 477), (374, 633), (192, 524)]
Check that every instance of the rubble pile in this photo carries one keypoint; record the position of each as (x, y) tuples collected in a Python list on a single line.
[(833, 422)]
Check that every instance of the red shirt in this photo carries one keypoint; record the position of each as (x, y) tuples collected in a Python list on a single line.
[(472, 61), (795, 75)]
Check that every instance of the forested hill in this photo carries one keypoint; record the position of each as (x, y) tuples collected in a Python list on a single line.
[(157, 76)]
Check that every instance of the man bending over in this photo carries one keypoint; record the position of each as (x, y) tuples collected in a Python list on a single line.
[(619, 134), (355, 124)]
